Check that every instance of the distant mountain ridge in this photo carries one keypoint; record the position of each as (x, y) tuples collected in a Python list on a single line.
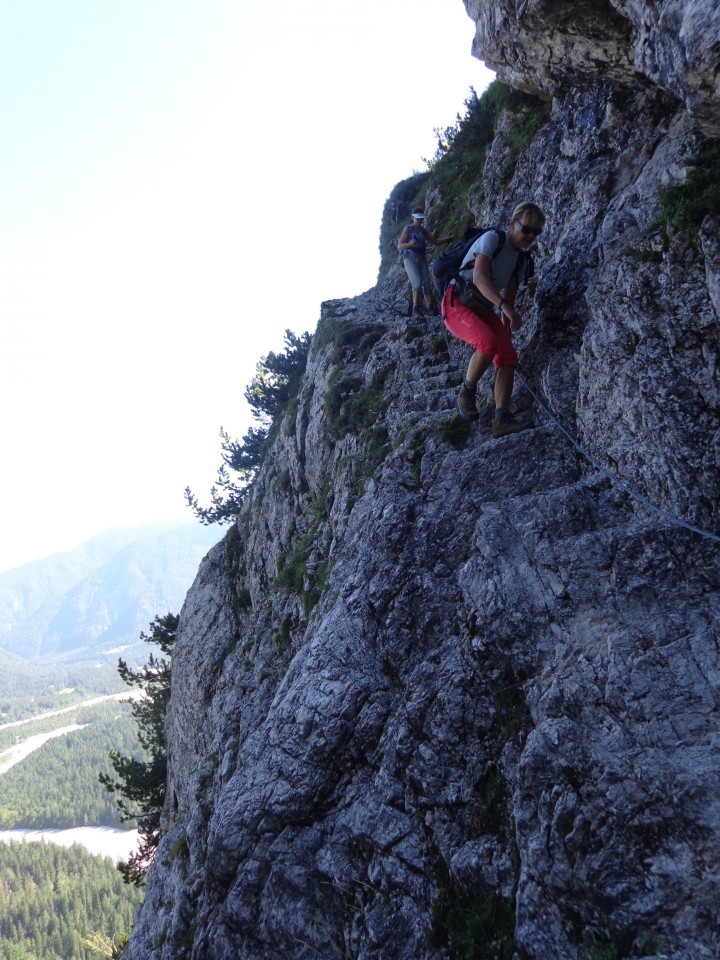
[(89, 601)]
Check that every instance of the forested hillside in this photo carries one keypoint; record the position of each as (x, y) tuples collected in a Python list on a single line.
[(58, 903), (55, 901), (57, 785), (27, 690)]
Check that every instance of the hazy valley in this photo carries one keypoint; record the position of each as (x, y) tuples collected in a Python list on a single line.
[(64, 621)]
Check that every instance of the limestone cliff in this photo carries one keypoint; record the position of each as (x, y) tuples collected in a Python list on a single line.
[(437, 695)]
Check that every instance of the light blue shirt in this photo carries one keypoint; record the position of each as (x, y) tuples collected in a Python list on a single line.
[(502, 267)]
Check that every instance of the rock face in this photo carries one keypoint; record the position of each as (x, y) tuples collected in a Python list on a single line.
[(442, 696)]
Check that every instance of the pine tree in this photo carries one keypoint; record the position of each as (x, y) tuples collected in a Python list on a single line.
[(277, 381), (141, 782)]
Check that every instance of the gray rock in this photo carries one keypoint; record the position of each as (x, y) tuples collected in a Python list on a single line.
[(487, 724)]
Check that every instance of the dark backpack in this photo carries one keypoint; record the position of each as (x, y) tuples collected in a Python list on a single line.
[(446, 266)]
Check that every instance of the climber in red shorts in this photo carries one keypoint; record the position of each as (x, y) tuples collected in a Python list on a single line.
[(496, 267)]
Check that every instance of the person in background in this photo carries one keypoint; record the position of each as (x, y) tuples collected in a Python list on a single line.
[(496, 274), (413, 245)]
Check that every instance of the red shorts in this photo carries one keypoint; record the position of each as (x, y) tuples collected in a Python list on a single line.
[(485, 334)]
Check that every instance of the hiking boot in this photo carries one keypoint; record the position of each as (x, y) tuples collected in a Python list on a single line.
[(505, 423), (417, 310), (466, 403)]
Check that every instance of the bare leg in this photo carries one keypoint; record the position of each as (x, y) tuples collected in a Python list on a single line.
[(479, 362), (503, 387)]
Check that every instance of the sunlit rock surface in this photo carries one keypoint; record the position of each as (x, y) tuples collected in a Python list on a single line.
[(439, 695)]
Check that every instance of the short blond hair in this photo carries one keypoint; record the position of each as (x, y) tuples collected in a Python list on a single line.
[(530, 214)]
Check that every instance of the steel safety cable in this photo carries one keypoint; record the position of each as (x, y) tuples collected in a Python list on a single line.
[(609, 474), (613, 478)]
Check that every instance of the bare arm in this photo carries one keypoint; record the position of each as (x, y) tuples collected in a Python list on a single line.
[(402, 242), (482, 272), (438, 240)]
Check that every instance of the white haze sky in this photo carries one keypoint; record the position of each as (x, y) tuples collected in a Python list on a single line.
[(181, 181)]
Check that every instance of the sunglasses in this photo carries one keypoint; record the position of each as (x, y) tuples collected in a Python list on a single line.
[(529, 231)]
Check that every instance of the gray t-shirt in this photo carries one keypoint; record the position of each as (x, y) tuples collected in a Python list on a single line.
[(503, 265)]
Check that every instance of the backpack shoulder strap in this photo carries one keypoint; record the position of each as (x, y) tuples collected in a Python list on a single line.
[(501, 235), (523, 258)]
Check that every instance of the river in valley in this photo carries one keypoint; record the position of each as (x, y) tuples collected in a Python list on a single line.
[(101, 841)]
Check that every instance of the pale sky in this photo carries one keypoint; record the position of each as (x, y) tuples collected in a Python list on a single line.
[(181, 181)]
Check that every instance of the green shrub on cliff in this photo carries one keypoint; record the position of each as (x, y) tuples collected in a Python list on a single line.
[(685, 205), (459, 160), (455, 171), (270, 394)]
